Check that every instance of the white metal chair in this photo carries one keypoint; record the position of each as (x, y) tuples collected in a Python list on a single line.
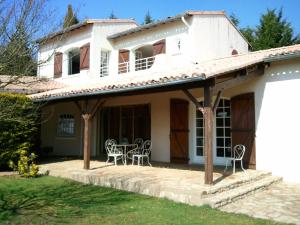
[(145, 153), (238, 154), (112, 151), (138, 142)]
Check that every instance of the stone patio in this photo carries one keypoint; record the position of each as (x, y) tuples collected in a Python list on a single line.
[(279, 202), (179, 183)]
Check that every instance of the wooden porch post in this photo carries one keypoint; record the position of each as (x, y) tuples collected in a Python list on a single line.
[(208, 113), (86, 140), (88, 114)]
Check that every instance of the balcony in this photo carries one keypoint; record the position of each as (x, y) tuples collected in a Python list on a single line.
[(144, 63)]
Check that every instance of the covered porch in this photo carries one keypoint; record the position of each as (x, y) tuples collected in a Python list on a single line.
[(176, 105)]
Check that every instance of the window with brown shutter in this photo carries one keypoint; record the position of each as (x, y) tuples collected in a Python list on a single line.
[(58, 65), (123, 61), (159, 47), (85, 56)]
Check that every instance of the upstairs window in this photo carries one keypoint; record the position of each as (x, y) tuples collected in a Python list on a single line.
[(66, 126), (104, 63), (74, 61)]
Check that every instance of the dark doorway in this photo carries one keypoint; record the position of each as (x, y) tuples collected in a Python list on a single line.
[(125, 123)]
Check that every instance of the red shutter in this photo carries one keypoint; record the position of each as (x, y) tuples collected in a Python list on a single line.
[(123, 58), (159, 47), (85, 56), (243, 126), (58, 64)]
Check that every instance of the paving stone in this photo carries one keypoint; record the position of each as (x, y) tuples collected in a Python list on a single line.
[(280, 202)]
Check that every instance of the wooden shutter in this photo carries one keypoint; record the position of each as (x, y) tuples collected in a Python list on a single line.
[(58, 64), (123, 58), (243, 126), (159, 47), (85, 56), (179, 131)]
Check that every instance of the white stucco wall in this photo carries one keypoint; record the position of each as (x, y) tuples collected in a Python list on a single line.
[(277, 111), (214, 36)]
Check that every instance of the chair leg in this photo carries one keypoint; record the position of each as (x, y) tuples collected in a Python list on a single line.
[(132, 160), (242, 166), (148, 161), (233, 166), (139, 158), (107, 159), (115, 158), (226, 165), (142, 158)]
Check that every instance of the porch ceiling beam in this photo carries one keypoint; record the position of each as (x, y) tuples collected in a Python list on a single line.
[(193, 99), (239, 78)]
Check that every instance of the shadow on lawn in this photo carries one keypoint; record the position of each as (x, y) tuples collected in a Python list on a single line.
[(58, 201)]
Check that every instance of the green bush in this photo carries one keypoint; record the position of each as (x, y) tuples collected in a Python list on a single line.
[(26, 165), (18, 126)]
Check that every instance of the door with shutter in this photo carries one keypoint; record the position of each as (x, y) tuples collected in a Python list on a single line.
[(123, 61), (159, 47), (58, 64), (85, 56), (179, 132), (243, 126)]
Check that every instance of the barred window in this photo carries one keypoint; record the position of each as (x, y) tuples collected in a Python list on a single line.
[(66, 125)]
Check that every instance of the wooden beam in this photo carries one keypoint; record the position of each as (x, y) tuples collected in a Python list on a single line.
[(86, 141), (96, 106), (208, 137), (193, 99), (78, 106), (240, 78), (217, 101)]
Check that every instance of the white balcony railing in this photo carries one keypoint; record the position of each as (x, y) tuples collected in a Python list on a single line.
[(144, 63), (124, 67), (140, 64), (103, 71)]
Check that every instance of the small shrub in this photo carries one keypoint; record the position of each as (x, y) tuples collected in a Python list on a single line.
[(26, 165)]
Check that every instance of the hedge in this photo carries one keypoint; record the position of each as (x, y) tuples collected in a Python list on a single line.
[(18, 126)]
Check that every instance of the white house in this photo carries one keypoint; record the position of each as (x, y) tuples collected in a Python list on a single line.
[(188, 83)]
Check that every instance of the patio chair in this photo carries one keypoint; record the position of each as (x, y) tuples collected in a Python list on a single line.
[(136, 150), (145, 153), (113, 151), (238, 154)]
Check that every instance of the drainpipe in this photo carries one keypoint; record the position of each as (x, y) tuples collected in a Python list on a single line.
[(185, 22)]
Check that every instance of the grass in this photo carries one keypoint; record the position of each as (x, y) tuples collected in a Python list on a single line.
[(50, 200)]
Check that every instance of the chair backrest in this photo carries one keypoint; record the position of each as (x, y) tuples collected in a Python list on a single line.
[(139, 142), (239, 151), (109, 145), (147, 147)]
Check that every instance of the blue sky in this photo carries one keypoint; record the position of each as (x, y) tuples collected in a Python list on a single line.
[(248, 11)]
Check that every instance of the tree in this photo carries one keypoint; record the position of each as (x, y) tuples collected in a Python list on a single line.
[(273, 31), (112, 15), (148, 18), (22, 22), (234, 19), (70, 18)]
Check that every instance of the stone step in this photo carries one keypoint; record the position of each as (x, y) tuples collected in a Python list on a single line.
[(235, 184), (224, 198)]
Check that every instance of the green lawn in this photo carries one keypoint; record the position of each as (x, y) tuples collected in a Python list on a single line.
[(49, 200)]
